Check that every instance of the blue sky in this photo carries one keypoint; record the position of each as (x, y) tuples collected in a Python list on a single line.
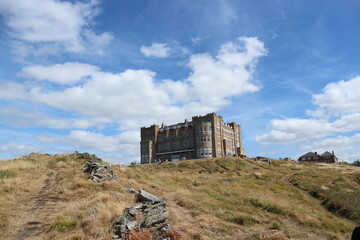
[(86, 75)]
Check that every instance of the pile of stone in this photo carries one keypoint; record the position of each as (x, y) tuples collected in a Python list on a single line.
[(99, 171), (148, 214)]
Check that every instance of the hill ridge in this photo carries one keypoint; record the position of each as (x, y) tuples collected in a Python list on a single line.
[(50, 197)]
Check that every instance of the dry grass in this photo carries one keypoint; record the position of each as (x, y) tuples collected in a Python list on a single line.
[(234, 198), (49, 197)]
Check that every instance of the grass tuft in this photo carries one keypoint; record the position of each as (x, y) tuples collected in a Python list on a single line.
[(6, 174), (63, 225), (243, 220), (270, 207)]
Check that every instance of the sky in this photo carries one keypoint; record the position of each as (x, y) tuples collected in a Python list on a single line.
[(85, 75)]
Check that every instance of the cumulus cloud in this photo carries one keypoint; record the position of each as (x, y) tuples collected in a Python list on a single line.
[(132, 98), (67, 73), (338, 142), (137, 94), (340, 97), (125, 142), (295, 129), (340, 102), (50, 21), (159, 50)]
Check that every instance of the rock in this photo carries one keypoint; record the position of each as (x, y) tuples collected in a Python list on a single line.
[(154, 215), (143, 215), (144, 196), (133, 225), (131, 190), (99, 171)]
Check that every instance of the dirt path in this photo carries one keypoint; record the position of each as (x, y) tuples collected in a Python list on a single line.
[(39, 209), (305, 195)]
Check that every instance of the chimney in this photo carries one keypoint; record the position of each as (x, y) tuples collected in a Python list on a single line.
[(316, 153), (333, 152)]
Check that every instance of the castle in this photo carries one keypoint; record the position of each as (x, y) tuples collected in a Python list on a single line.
[(203, 137)]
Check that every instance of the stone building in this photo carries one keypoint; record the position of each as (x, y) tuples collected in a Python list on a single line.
[(203, 137)]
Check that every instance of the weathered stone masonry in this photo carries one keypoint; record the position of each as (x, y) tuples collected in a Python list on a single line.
[(203, 137)]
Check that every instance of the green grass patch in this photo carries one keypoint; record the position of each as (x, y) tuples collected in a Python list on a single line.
[(242, 220), (269, 207), (6, 174), (339, 180), (63, 225)]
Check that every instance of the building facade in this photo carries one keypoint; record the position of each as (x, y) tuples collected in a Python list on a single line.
[(314, 157), (203, 137)]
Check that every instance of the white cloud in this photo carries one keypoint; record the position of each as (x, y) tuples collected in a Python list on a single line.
[(339, 102), (12, 90), (196, 40), (346, 147), (125, 142), (18, 148), (296, 130), (340, 97), (67, 73), (338, 142), (133, 98), (159, 50), (52, 21), (136, 94), (227, 13), (21, 118)]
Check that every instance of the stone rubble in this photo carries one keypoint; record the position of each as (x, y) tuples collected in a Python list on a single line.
[(149, 213), (99, 171)]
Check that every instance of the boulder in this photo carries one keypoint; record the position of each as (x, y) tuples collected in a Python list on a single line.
[(144, 196)]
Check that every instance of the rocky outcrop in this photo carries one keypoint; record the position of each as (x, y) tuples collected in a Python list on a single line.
[(99, 171), (148, 214)]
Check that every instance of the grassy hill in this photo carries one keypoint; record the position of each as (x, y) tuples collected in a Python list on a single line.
[(49, 197)]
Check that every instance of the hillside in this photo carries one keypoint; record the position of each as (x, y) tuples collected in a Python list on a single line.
[(50, 197)]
